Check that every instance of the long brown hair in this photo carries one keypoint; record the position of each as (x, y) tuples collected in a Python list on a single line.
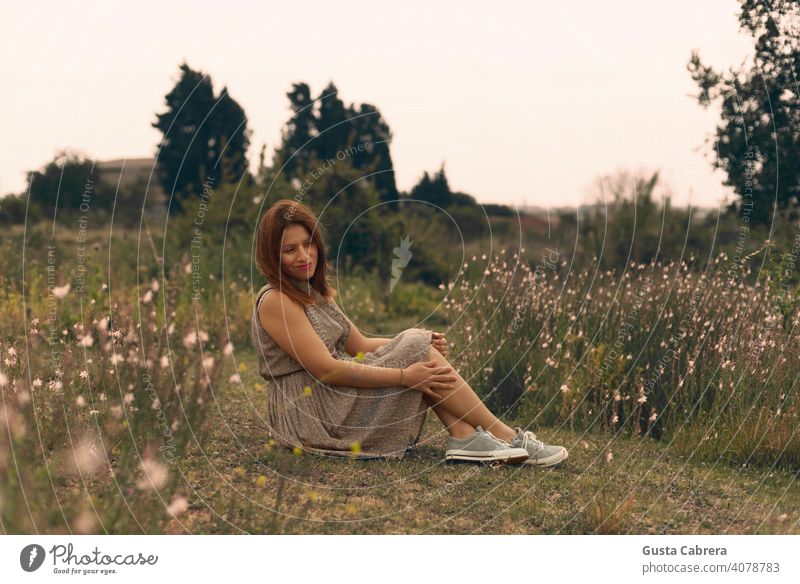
[(268, 250)]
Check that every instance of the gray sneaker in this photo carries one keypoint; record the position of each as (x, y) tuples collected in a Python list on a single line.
[(541, 454), (483, 446)]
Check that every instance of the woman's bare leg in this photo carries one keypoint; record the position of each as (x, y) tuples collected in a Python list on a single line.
[(463, 404), (457, 427)]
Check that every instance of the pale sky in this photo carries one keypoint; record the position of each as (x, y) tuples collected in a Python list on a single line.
[(525, 101)]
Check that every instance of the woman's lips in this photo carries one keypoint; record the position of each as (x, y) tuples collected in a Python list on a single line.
[(305, 267)]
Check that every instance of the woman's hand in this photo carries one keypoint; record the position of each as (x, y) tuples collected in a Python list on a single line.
[(428, 376), (439, 343)]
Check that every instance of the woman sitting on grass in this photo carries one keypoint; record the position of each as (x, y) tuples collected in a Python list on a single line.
[(333, 391)]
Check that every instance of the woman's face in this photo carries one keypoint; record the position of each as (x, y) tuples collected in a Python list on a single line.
[(298, 252)]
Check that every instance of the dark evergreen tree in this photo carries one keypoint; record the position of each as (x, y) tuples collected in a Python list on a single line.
[(330, 132), (333, 127), (195, 127), (757, 141), (299, 131), (434, 189), (371, 139)]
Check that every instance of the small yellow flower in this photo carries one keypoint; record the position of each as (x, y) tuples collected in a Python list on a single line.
[(261, 480), (355, 447), (124, 423), (238, 471), (297, 451), (312, 496), (273, 442), (307, 390), (351, 509), (242, 367), (360, 356), (260, 386)]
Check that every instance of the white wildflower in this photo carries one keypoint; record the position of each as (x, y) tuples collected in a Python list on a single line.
[(61, 292)]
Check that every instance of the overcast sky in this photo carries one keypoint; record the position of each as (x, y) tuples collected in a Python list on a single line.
[(527, 102)]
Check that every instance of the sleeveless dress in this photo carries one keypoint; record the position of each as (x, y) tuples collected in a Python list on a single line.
[(360, 422)]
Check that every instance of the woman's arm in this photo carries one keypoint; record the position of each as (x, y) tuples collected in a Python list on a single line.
[(357, 342), (286, 322)]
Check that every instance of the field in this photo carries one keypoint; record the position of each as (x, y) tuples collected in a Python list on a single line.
[(131, 403)]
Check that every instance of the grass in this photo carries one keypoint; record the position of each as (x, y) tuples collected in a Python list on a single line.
[(646, 488)]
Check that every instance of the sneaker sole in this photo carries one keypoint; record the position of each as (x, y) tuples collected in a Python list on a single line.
[(510, 455), (550, 460)]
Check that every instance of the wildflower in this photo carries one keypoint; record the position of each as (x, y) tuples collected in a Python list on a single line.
[(154, 286), (3, 380), (54, 385), (242, 367), (360, 356), (261, 481), (235, 378), (178, 505), (653, 417), (116, 358), (37, 382), (87, 341), (307, 390), (609, 457), (148, 297), (84, 374), (61, 292), (208, 362), (190, 340), (312, 496), (164, 361), (87, 456), (564, 388), (155, 475), (80, 401), (355, 447), (297, 451), (228, 349), (128, 398)]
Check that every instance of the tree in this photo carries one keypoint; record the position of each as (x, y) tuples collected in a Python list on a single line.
[(372, 131), (199, 131), (299, 130), (62, 183), (333, 127), (757, 142), (434, 189), (328, 130)]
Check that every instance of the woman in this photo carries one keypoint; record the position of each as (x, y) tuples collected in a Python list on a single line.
[(333, 391)]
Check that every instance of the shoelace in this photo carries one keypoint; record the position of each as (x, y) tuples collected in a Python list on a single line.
[(498, 439), (528, 437)]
